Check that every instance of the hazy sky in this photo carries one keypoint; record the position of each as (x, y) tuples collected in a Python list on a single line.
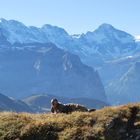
[(76, 16)]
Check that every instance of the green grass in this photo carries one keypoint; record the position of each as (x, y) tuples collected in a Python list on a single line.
[(75, 126)]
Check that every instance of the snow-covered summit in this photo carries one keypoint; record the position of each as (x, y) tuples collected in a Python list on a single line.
[(107, 33), (104, 42), (105, 26), (56, 35), (16, 31), (137, 38), (53, 29)]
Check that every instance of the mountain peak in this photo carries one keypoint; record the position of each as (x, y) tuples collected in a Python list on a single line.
[(49, 28), (2, 20), (105, 26), (10, 24)]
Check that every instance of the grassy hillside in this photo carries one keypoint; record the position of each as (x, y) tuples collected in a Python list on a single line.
[(111, 123)]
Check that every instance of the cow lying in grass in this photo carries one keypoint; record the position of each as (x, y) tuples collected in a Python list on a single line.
[(67, 108)]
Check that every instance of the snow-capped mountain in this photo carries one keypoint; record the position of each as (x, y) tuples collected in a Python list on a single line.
[(137, 38), (107, 49), (94, 48), (16, 31), (56, 35), (108, 41)]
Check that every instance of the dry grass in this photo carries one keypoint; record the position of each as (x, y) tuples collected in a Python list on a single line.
[(75, 126)]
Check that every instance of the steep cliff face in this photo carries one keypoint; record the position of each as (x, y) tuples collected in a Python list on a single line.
[(126, 89), (35, 68)]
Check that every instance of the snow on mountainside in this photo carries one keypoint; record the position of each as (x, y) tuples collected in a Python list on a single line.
[(104, 43), (107, 33), (16, 31), (137, 38), (56, 35), (109, 50), (108, 42)]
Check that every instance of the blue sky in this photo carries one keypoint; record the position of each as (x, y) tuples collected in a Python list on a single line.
[(76, 16)]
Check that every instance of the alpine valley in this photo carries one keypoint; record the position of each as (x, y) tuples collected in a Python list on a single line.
[(102, 65)]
